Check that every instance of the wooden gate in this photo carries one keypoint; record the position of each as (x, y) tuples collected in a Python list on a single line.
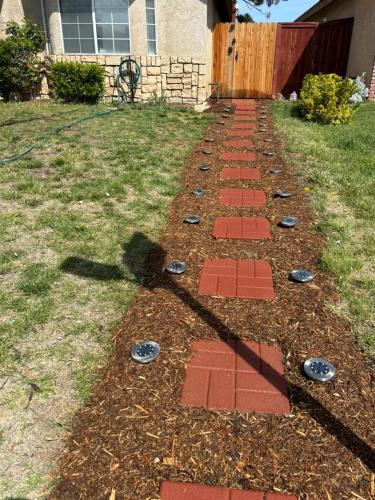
[(252, 60), (243, 59), (303, 48)]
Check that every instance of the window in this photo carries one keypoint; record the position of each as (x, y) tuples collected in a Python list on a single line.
[(151, 27), (95, 26), (77, 26), (112, 26)]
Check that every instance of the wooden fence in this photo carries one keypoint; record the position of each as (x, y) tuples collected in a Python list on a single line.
[(243, 59), (261, 60)]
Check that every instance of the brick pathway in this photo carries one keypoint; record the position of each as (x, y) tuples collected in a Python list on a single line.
[(235, 374), (187, 491)]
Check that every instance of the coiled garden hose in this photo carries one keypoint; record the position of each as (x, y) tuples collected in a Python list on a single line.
[(129, 73)]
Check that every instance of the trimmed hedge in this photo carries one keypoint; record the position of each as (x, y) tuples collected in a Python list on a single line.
[(325, 98), (78, 82)]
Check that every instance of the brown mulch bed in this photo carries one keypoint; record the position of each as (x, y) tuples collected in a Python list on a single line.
[(133, 434)]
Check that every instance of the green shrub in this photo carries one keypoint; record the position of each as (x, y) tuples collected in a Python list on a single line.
[(325, 98), (18, 63), (78, 82)]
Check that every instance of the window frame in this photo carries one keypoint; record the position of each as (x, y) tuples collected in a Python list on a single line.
[(96, 53), (156, 31)]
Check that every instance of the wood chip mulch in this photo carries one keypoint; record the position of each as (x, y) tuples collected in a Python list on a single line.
[(133, 434)]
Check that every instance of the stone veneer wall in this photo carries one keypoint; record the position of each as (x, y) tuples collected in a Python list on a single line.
[(372, 85), (181, 80)]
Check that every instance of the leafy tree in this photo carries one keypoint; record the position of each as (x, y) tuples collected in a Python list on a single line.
[(18, 62), (244, 18)]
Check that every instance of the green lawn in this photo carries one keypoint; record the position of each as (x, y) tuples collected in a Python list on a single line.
[(337, 166), (67, 211)]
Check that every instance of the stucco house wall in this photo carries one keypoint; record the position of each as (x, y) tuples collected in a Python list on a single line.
[(362, 50), (184, 44)]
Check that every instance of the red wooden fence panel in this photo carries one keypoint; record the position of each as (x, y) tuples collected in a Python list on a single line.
[(333, 41), (293, 56), (303, 48)]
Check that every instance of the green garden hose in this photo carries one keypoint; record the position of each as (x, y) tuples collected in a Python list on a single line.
[(129, 73), (55, 130)]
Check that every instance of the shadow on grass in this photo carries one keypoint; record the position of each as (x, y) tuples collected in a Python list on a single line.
[(154, 276)]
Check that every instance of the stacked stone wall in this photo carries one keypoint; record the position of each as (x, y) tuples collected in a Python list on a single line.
[(180, 80)]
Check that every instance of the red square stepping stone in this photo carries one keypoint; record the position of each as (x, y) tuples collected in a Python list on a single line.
[(242, 228), (187, 491), (247, 118), (240, 133), (240, 375), (242, 197), (238, 144), (246, 279), (235, 156), (240, 112), (243, 125), (240, 173)]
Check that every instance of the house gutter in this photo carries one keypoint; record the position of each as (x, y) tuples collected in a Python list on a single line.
[(45, 27)]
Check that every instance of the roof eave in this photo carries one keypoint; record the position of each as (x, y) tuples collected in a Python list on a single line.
[(314, 9)]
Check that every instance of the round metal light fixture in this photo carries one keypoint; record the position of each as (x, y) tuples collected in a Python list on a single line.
[(283, 194), (145, 352), (210, 139), (262, 130), (268, 153), (301, 275), (289, 221), (225, 115), (228, 109), (319, 369), (207, 152), (176, 267), (205, 167), (199, 192), (276, 170), (220, 122), (192, 219), (268, 140)]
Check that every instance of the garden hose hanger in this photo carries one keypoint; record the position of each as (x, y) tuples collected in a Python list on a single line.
[(126, 83)]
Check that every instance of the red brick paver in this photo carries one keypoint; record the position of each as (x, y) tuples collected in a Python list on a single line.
[(245, 118), (240, 173), (242, 197), (238, 156), (238, 144), (246, 279), (240, 375), (241, 126), (242, 228), (240, 133), (188, 491)]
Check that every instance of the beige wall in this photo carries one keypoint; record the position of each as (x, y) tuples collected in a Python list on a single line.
[(362, 51)]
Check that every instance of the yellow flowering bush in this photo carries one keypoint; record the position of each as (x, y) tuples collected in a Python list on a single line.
[(325, 98)]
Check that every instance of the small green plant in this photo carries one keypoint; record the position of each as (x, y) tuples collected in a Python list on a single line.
[(325, 98), (18, 63), (78, 82)]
